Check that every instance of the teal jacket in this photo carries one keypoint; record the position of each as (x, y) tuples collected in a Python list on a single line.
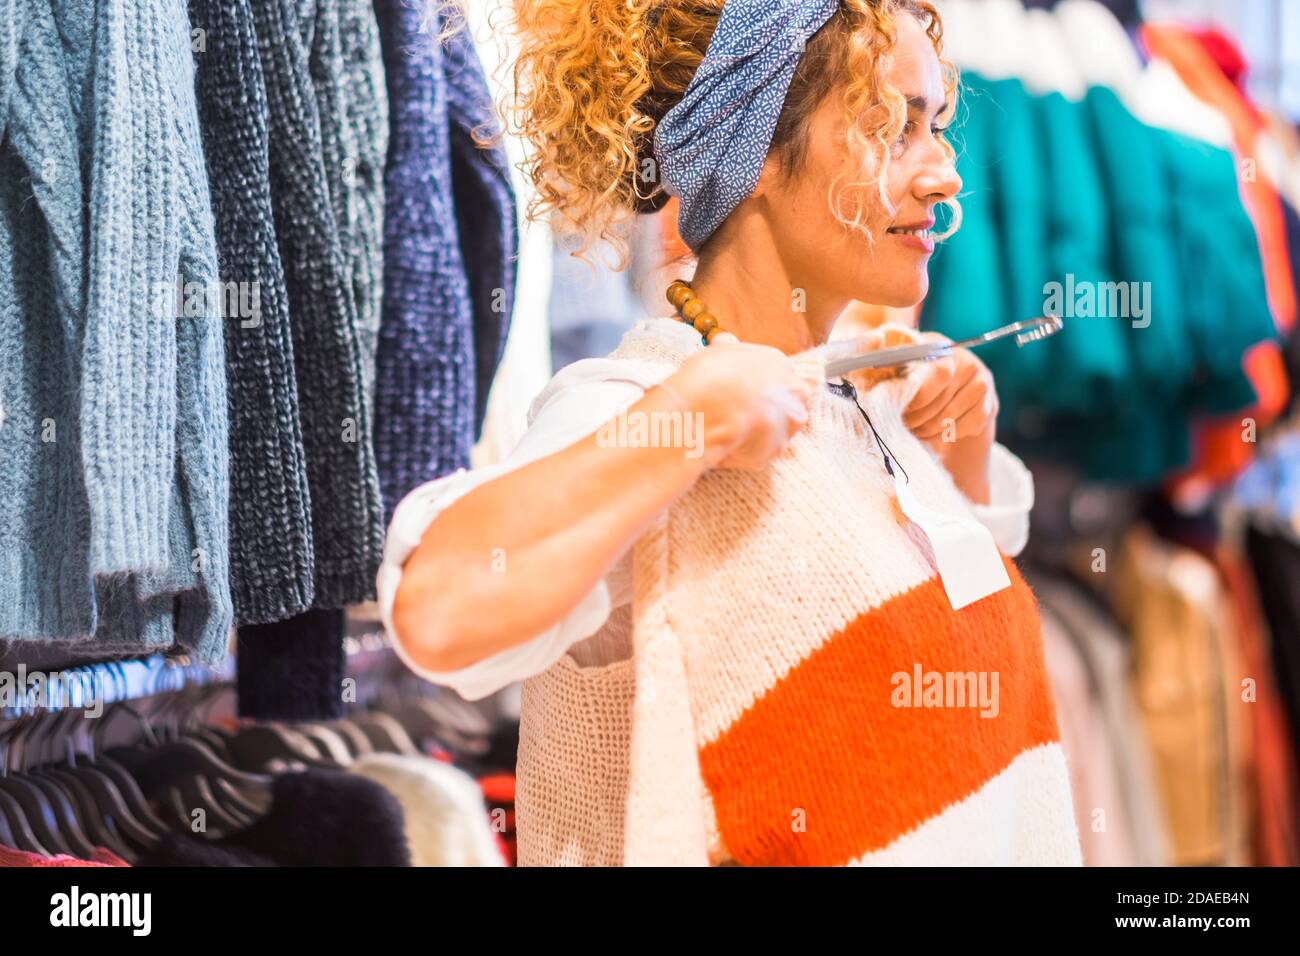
[(1058, 191)]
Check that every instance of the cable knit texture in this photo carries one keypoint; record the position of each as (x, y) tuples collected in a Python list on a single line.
[(755, 722), (113, 445), (271, 562), (449, 209), (317, 176)]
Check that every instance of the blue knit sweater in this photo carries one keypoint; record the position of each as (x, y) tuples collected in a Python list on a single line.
[(449, 216), (322, 194), (113, 458)]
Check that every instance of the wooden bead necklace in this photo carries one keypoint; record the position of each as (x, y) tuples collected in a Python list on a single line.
[(694, 312)]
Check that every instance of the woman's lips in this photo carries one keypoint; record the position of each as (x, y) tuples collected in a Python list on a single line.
[(920, 242)]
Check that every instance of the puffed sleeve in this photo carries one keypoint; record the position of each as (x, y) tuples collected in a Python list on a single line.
[(577, 401), (1011, 496)]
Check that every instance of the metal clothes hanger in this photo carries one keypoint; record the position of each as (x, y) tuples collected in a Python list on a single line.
[(844, 355)]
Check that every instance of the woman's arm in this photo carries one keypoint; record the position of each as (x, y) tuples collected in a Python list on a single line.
[(511, 558), (514, 555)]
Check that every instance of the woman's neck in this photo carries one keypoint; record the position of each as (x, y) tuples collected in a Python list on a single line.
[(754, 295)]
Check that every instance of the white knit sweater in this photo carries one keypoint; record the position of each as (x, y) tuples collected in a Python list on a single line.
[(759, 719)]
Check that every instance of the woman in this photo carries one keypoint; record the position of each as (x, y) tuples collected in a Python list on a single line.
[(748, 648)]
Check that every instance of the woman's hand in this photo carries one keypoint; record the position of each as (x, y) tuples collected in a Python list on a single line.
[(955, 412), (751, 397)]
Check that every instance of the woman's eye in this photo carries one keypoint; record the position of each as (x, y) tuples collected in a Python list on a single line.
[(910, 127)]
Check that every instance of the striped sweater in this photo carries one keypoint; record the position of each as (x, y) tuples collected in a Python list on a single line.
[(768, 715)]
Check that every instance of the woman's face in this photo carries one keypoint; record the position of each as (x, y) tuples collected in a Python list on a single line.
[(891, 269)]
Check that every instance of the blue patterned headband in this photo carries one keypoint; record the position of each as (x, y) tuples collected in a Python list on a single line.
[(711, 146)]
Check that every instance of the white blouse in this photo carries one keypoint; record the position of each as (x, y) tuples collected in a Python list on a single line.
[(577, 401)]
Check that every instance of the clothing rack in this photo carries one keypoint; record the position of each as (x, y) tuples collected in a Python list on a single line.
[(102, 683), (27, 689)]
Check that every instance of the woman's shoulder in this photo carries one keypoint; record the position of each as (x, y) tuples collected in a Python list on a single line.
[(647, 354)]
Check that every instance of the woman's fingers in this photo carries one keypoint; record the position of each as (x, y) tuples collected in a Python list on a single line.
[(970, 414), (941, 384), (935, 387), (962, 409), (950, 419), (973, 394)]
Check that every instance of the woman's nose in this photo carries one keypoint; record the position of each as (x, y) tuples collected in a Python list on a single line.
[(939, 181)]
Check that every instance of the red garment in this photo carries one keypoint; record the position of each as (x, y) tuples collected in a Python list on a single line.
[(1219, 453), (15, 859), (1225, 52), (499, 793)]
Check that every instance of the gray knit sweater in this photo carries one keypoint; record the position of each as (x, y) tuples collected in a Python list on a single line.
[(325, 189), (271, 551)]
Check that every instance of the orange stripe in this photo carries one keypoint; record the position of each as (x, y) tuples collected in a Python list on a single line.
[(827, 746)]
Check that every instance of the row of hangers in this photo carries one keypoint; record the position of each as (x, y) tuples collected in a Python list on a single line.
[(66, 786)]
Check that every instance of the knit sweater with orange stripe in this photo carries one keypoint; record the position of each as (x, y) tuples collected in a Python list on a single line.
[(768, 714)]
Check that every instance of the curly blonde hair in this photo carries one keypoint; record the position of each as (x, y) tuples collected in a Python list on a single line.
[(592, 78)]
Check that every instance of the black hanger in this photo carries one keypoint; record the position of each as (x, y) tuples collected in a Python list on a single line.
[(386, 733), (452, 723), (195, 794), (97, 825), (94, 823), (35, 805), (108, 801), (357, 742), (329, 744), (157, 768), (73, 825), (248, 806), (7, 837), (117, 777), (19, 829), (258, 746)]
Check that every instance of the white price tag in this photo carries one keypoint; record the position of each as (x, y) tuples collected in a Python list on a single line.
[(970, 565)]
